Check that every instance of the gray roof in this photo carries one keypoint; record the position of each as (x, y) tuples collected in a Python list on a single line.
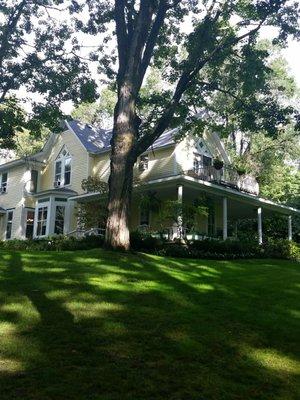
[(98, 140)]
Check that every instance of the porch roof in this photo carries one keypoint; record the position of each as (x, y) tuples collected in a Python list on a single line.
[(57, 191), (204, 186)]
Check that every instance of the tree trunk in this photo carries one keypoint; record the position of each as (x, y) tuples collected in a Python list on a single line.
[(120, 186), (121, 171)]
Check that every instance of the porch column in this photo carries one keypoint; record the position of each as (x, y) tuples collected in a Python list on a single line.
[(290, 229), (179, 218), (224, 218), (259, 225)]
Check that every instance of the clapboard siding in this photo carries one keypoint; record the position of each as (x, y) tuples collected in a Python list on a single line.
[(79, 165)]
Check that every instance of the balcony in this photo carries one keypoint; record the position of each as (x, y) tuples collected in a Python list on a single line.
[(227, 176)]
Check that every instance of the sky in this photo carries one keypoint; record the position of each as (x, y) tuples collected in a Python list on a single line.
[(291, 54)]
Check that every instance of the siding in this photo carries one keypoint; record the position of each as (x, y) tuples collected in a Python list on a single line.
[(161, 164), (101, 166), (14, 199), (80, 167)]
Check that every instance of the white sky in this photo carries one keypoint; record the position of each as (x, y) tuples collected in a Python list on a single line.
[(291, 54)]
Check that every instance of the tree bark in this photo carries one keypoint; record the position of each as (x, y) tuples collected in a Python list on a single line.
[(121, 170)]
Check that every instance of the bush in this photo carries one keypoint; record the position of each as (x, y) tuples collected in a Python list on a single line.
[(278, 248), (144, 242), (55, 243)]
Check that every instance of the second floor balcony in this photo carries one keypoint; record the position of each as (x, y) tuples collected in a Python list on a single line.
[(226, 176)]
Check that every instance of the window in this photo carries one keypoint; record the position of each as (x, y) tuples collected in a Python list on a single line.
[(41, 227), (62, 174), (10, 215), (29, 224), (33, 181), (3, 188), (144, 216), (197, 163), (59, 220), (207, 161), (144, 161)]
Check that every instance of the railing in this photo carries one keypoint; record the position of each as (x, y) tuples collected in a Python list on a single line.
[(226, 176), (81, 233)]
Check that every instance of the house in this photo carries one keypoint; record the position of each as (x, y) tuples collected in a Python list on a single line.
[(40, 194)]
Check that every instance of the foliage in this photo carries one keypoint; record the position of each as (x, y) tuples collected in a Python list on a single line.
[(92, 214), (26, 144), (169, 211), (100, 113), (233, 249), (278, 248), (38, 54), (144, 242), (94, 184), (54, 243)]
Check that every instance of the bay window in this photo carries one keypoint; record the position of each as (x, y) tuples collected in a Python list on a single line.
[(10, 215), (29, 224), (42, 214), (59, 220)]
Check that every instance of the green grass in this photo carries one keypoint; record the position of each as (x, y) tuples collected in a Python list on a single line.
[(100, 325)]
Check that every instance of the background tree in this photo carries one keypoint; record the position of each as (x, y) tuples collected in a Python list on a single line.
[(38, 54), (149, 32)]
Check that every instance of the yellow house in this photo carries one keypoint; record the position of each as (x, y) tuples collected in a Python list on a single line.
[(39, 195)]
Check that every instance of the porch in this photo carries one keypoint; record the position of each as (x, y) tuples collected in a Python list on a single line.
[(226, 207)]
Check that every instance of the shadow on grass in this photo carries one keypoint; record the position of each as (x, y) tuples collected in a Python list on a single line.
[(100, 325)]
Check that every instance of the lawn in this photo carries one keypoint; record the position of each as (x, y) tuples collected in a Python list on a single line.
[(100, 325)]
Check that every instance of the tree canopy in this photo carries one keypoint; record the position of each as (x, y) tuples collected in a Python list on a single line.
[(38, 55)]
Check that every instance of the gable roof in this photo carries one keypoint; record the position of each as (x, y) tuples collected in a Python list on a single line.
[(98, 140)]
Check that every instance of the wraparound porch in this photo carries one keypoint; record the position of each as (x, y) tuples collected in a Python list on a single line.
[(226, 207)]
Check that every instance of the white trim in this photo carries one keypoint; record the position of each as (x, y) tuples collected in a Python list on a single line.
[(259, 225), (290, 228), (225, 234)]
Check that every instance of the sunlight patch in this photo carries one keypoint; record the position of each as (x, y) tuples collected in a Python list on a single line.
[(204, 287), (272, 359), (8, 366)]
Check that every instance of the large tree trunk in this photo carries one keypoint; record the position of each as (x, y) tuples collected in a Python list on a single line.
[(121, 171)]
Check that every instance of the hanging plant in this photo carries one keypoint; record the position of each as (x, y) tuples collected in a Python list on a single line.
[(218, 164), (241, 171)]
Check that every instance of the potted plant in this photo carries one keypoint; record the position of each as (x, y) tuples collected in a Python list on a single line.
[(218, 164)]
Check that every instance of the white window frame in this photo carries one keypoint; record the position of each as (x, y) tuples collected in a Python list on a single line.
[(62, 158), (27, 210), (10, 221), (64, 205), (36, 220), (3, 185)]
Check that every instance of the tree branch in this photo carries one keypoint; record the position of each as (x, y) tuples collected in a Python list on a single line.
[(122, 36), (186, 79), (152, 38)]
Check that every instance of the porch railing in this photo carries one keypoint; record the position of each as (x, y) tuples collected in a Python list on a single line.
[(226, 176), (81, 233)]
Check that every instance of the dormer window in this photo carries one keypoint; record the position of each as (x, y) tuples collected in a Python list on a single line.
[(3, 183), (144, 162), (62, 176)]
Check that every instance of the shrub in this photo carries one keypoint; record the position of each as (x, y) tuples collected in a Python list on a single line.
[(278, 248), (55, 243), (144, 242)]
